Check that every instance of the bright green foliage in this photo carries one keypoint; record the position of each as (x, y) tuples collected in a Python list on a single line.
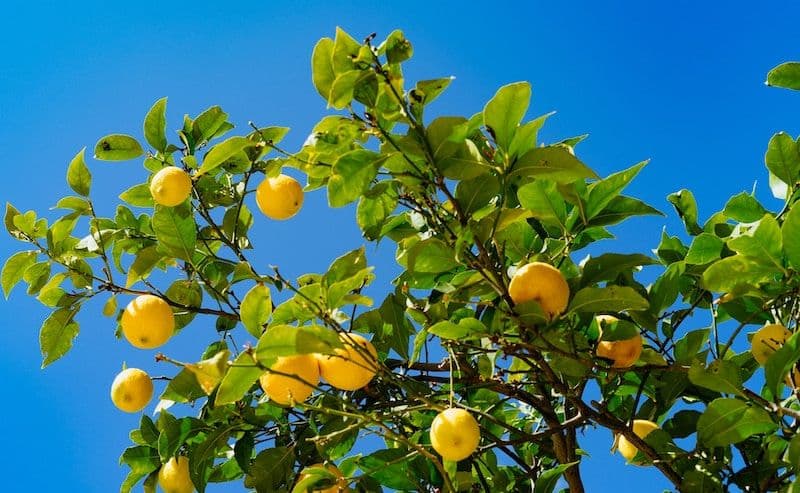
[(466, 201)]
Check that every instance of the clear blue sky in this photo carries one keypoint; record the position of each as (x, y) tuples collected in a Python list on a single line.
[(680, 83)]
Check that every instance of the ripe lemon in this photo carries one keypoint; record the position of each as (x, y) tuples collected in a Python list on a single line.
[(339, 487), (641, 428), (280, 197), (131, 390), (174, 476), (542, 283), (623, 353), (147, 322), (284, 389), (455, 434), (350, 368), (171, 186), (767, 340)]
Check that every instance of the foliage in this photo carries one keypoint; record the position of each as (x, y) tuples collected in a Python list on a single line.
[(466, 201)]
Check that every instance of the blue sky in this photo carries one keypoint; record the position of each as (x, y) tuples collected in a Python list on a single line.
[(681, 84)]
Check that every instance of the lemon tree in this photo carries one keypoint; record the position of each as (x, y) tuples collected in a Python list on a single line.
[(508, 334)]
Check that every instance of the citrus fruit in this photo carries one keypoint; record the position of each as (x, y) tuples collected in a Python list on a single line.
[(171, 186), (285, 389), (642, 428), (352, 366), (339, 487), (455, 434), (767, 340), (623, 353), (280, 197), (174, 476), (131, 390), (147, 322), (542, 283)]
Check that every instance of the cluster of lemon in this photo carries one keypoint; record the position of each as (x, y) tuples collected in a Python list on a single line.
[(148, 321)]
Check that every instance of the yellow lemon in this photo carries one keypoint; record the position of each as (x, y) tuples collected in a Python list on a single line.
[(284, 389), (171, 186), (350, 367), (641, 428), (280, 197), (174, 476), (339, 487), (542, 283), (455, 434), (147, 322), (131, 390), (767, 340), (623, 353)]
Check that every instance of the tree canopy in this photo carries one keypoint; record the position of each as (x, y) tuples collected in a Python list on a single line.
[(498, 310)]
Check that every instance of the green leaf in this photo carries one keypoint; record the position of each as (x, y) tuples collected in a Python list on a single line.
[(346, 266), (763, 242), (785, 75), (465, 328), (601, 192), (58, 332), (174, 433), (322, 73), (271, 468), (374, 208), (209, 372), (342, 89), (547, 481), (287, 340), (705, 248), (398, 48), (37, 276), (781, 362), (176, 231), (738, 270), (503, 113), (208, 123), (727, 421), (390, 468), (14, 269), (609, 298), (138, 195), (720, 376), (688, 346), (222, 152), (620, 208), (256, 309), (543, 199), (117, 147), (142, 460), (664, 291), (790, 232), (146, 259), (78, 176), (239, 378), (345, 50), (686, 206), (183, 388), (155, 125), (608, 266), (700, 480), (431, 256), (743, 207), (525, 137), (351, 175), (552, 162), (782, 158), (187, 293)]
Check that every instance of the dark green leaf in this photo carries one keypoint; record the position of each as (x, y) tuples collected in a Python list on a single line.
[(720, 376), (603, 191), (781, 362), (270, 469), (790, 232), (117, 147), (208, 123), (391, 468), (608, 266), (547, 481), (664, 291)]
